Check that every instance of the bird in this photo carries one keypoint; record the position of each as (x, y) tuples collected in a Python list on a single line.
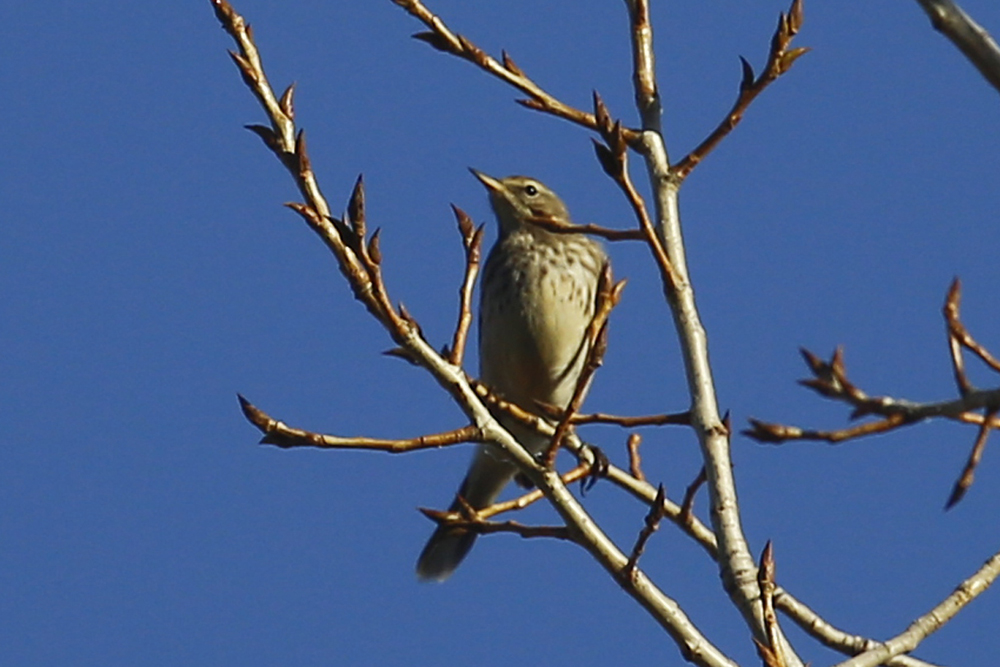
[(537, 300)]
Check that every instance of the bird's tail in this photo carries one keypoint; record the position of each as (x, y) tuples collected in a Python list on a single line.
[(449, 545)]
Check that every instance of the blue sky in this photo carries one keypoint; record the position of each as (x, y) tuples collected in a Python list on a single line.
[(148, 272)]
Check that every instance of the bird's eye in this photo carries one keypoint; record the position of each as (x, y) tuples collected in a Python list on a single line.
[(530, 190)]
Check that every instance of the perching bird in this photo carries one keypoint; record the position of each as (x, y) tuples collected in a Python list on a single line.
[(536, 302)]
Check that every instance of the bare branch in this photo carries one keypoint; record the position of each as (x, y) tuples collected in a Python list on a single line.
[(830, 380), (954, 343), (652, 523), (801, 614), (779, 61), (474, 524), (959, 335), (443, 39), (577, 473), (969, 472), (365, 280), (472, 239), (678, 418), (933, 620), (634, 461), (821, 630), (737, 568), (281, 435), (647, 96), (970, 37), (554, 224), (614, 160), (687, 506)]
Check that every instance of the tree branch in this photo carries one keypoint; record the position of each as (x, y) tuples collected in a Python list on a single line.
[(736, 564), (932, 621), (472, 239), (832, 637), (970, 37), (443, 39), (780, 59), (281, 435), (360, 269)]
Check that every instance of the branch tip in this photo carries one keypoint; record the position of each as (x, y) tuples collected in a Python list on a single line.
[(510, 65)]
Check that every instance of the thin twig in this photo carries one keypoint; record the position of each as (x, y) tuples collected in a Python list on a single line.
[(652, 523), (474, 524), (472, 240), (281, 435), (969, 472), (779, 60), (607, 297), (830, 380), (613, 158), (634, 460), (577, 473), (559, 226), (958, 334), (677, 418), (443, 39), (835, 638), (687, 506)]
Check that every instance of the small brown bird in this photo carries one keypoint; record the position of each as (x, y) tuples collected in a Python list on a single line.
[(536, 301)]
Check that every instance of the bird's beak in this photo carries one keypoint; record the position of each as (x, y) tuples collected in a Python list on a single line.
[(492, 184)]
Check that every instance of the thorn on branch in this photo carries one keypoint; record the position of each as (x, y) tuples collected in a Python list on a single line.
[(788, 59), (510, 65), (267, 135), (304, 164), (533, 104), (356, 209), (436, 40), (473, 52), (285, 103), (602, 115), (595, 471), (409, 319), (609, 163), (374, 248), (247, 71), (402, 353), (746, 83)]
